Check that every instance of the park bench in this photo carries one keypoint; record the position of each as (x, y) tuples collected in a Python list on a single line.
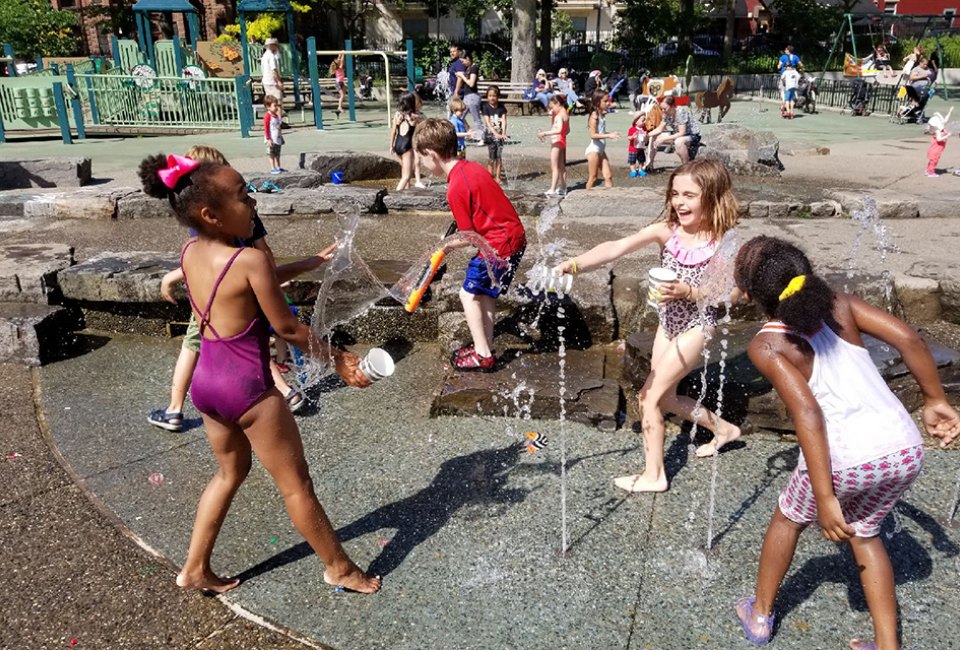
[(511, 96)]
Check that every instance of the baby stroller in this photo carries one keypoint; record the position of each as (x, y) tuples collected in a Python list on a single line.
[(806, 99), (366, 85), (859, 97), (911, 108)]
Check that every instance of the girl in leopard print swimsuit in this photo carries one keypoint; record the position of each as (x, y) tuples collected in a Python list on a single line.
[(700, 208)]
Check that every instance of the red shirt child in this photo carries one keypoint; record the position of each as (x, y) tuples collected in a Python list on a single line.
[(478, 203)]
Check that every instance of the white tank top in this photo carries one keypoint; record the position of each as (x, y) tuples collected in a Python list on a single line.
[(864, 419)]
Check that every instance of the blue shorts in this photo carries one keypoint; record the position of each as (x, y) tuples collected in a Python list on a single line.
[(790, 94), (477, 281)]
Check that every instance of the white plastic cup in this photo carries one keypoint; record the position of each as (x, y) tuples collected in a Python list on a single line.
[(655, 279), (377, 364), (550, 281)]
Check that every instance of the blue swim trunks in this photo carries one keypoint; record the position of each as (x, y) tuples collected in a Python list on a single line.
[(477, 281), (790, 94)]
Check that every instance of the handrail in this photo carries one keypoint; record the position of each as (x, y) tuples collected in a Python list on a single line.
[(386, 66)]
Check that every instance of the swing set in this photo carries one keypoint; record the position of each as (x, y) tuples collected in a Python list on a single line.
[(880, 29)]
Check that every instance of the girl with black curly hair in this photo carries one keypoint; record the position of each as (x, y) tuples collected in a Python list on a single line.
[(860, 449), (232, 387)]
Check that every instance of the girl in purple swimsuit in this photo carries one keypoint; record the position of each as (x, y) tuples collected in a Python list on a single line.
[(235, 296), (700, 208)]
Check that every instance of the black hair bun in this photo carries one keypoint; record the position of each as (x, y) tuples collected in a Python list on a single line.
[(150, 178)]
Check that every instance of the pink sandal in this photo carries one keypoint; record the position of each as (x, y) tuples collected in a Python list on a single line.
[(857, 644)]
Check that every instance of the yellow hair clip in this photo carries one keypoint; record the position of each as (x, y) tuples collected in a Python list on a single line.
[(794, 286)]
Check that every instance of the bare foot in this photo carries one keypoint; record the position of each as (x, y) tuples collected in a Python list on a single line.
[(353, 580), (728, 435), (857, 644), (208, 583), (640, 483)]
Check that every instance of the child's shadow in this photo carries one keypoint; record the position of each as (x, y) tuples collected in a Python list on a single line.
[(911, 563), (476, 479)]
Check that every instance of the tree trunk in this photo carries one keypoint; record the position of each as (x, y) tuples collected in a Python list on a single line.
[(546, 32), (523, 52), (730, 34)]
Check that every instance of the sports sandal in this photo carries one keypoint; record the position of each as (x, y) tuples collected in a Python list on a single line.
[(251, 188), (169, 421), (467, 349), (857, 644), (471, 361), (269, 188), (295, 400), (757, 627)]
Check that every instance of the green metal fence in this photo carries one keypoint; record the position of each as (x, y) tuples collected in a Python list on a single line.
[(31, 102), (165, 102)]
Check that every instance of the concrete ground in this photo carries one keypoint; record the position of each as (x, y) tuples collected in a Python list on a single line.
[(463, 524)]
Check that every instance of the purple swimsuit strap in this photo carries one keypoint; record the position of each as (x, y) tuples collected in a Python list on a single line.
[(205, 314)]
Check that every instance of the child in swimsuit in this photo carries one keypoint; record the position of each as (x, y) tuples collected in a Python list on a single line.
[(401, 139), (559, 129), (860, 449), (700, 208), (596, 151), (236, 298)]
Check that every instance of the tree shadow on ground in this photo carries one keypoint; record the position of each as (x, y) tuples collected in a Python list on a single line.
[(911, 562), (478, 479)]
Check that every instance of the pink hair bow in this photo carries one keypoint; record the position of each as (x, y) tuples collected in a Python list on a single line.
[(177, 168)]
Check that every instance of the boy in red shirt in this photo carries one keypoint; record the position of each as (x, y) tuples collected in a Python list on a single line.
[(478, 203)]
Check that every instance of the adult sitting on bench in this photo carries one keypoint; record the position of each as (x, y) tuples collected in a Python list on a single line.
[(678, 128)]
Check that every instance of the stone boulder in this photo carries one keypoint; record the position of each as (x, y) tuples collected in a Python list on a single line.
[(294, 178), (44, 172), (127, 277), (748, 396), (90, 203), (643, 203), (746, 152), (529, 383), (431, 199), (33, 334), (355, 166), (138, 205), (29, 273), (889, 204)]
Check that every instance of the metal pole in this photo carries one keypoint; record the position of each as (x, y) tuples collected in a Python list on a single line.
[(853, 40), (11, 66), (62, 113), (177, 56), (351, 103), (75, 104), (243, 109), (411, 69), (244, 45), (115, 50), (314, 81), (294, 60)]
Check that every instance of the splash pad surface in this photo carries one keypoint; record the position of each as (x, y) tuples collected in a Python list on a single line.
[(464, 523)]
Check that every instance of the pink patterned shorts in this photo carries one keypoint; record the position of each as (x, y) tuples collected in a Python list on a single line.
[(866, 492)]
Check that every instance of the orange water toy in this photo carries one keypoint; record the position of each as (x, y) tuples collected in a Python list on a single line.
[(416, 295)]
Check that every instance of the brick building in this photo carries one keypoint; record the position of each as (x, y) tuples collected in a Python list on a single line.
[(96, 26)]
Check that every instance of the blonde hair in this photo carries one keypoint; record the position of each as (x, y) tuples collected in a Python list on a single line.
[(457, 104), (438, 135), (720, 208), (206, 153), (338, 62)]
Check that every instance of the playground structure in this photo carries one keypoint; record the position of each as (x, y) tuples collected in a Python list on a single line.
[(877, 29), (152, 88)]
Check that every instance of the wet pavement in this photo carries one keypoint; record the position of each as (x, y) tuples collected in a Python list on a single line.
[(465, 525)]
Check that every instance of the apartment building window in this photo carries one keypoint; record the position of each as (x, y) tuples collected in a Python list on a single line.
[(415, 27)]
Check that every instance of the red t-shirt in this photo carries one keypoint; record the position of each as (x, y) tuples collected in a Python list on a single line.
[(266, 127), (478, 203)]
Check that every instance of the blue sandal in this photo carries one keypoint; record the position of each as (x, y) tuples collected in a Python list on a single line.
[(269, 188), (169, 421)]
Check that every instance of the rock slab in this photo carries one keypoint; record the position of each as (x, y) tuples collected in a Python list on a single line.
[(31, 334), (44, 172), (354, 166), (530, 383), (746, 152), (29, 272), (127, 277)]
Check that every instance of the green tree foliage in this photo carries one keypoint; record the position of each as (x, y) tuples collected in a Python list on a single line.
[(34, 28), (642, 24), (807, 24)]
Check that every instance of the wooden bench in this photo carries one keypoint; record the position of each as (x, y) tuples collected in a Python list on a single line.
[(511, 96)]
